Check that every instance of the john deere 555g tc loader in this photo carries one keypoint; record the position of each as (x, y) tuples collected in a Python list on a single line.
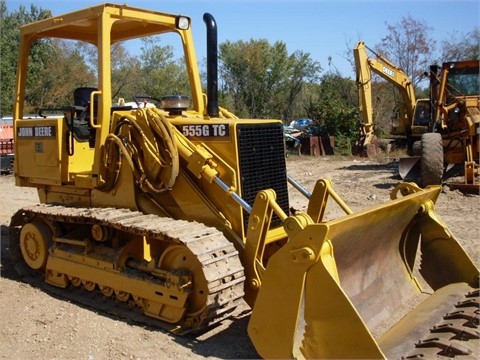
[(182, 210)]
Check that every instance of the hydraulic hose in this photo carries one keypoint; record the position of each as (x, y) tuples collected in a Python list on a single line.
[(142, 153)]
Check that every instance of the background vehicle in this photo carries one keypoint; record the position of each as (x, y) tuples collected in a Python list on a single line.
[(444, 127), (413, 119), (453, 136), (6, 146), (183, 210)]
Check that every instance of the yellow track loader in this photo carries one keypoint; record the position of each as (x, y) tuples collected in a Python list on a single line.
[(181, 210)]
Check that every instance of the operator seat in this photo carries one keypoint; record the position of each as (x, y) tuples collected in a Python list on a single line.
[(82, 130)]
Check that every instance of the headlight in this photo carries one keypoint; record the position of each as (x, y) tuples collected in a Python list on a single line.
[(182, 22)]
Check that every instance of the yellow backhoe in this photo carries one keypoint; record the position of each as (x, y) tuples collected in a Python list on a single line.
[(181, 210), (413, 119)]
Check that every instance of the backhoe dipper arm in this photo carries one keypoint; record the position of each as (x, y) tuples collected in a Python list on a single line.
[(364, 82), (388, 71)]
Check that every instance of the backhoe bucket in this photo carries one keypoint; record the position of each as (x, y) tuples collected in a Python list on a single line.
[(367, 285), (409, 168)]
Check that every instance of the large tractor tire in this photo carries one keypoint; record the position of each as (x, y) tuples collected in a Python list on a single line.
[(417, 148), (431, 159)]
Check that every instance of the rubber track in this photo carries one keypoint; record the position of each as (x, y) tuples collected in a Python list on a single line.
[(219, 258)]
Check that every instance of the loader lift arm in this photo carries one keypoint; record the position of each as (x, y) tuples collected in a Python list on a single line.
[(348, 322)]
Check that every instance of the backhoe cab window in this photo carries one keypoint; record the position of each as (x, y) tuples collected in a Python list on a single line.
[(463, 81), (422, 113)]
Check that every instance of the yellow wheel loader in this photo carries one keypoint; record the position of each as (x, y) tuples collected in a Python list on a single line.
[(181, 210)]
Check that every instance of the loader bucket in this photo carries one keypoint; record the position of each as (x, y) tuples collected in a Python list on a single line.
[(409, 168), (340, 289)]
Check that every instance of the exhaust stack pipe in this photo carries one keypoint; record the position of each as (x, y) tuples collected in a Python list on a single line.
[(212, 65)]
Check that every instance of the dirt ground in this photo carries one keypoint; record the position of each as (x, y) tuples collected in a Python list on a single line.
[(38, 325)]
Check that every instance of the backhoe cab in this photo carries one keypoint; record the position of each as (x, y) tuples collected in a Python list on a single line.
[(181, 211)]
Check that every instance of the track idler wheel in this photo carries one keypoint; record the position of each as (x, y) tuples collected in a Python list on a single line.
[(178, 258), (35, 240)]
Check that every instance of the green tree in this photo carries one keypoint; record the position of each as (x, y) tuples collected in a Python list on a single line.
[(40, 55), (125, 73), (334, 108), (161, 73), (263, 80), (61, 77), (248, 71), (302, 71), (125, 69)]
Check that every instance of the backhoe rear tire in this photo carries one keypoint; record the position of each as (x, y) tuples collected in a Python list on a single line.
[(431, 159), (417, 148)]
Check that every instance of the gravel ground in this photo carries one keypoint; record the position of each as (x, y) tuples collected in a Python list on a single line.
[(39, 325)]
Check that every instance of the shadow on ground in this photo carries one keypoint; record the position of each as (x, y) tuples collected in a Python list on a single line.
[(234, 340)]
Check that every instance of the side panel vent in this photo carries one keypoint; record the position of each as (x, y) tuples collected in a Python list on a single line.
[(262, 163)]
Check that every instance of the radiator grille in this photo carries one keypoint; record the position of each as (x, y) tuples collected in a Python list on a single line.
[(262, 163)]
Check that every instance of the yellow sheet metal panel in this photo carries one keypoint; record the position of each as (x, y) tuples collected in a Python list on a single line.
[(42, 156), (49, 153)]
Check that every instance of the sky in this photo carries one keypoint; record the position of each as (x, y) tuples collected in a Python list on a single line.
[(323, 28)]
